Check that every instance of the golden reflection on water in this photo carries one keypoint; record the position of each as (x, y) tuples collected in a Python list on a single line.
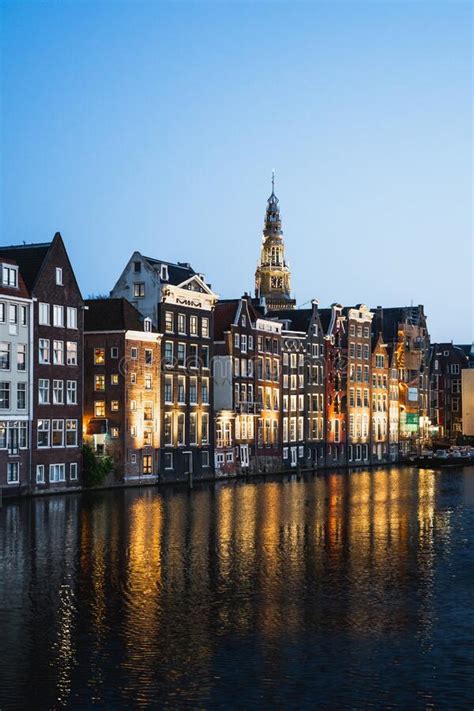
[(243, 558)]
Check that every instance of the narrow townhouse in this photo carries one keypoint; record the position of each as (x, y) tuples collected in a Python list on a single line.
[(235, 409), (333, 323), (305, 324), (122, 390), (15, 381), (57, 355), (380, 401), (268, 384), (359, 341)]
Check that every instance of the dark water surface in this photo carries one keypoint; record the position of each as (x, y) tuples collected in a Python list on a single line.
[(336, 591)]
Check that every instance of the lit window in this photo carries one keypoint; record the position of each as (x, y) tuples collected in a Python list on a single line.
[(99, 408), (114, 405), (99, 356), (99, 382), (57, 433), (71, 433), (169, 321)]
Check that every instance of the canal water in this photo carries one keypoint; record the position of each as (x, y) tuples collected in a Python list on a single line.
[(333, 591)]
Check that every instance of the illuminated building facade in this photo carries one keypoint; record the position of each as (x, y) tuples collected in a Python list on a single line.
[(303, 387), (268, 339), (181, 305), (235, 407), (405, 330), (272, 278), (293, 397), (447, 363), (56, 337), (393, 409), (122, 373), (358, 349), (333, 322), (380, 401)]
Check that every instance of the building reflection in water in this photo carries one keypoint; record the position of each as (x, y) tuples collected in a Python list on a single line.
[(152, 593)]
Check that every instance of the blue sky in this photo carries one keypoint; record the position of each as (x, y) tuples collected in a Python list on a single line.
[(155, 126)]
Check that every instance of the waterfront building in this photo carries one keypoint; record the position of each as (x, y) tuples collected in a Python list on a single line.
[(380, 397), (15, 380), (303, 355), (358, 350), (333, 323), (272, 277), (467, 388), (268, 339), (393, 399), (447, 363), (122, 389), (405, 330), (235, 406), (181, 306), (56, 340), (294, 355)]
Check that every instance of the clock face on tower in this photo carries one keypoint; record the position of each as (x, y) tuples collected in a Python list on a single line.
[(276, 282)]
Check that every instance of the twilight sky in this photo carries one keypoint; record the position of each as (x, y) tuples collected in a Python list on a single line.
[(155, 126)]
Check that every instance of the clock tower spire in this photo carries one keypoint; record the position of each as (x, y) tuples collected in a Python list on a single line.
[(272, 278)]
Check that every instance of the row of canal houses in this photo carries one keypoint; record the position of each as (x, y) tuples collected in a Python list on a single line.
[(172, 382)]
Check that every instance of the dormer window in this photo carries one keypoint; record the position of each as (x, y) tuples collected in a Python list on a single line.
[(147, 324), (59, 276), (9, 276), (164, 272)]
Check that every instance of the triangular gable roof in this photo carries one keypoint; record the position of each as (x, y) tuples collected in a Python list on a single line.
[(195, 278), (29, 257), (224, 316)]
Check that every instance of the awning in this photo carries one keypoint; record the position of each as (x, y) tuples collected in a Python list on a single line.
[(96, 427)]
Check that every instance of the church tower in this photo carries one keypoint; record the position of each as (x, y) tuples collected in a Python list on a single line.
[(272, 278)]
